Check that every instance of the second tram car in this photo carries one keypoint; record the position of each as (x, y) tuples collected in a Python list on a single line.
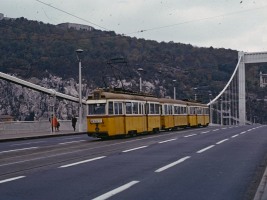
[(113, 114)]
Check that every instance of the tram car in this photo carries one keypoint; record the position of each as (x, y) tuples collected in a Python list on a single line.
[(173, 114), (114, 114), (198, 114), (117, 113)]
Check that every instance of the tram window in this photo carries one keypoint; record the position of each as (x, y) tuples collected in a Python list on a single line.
[(128, 107), (140, 108), (146, 108), (183, 110), (97, 109), (170, 109), (117, 108), (110, 108), (156, 108), (199, 111), (165, 110), (120, 108), (135, 108), (152, 108), (176, 109)]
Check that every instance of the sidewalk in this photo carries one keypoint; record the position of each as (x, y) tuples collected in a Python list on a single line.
[(261, 193), (4, 137)]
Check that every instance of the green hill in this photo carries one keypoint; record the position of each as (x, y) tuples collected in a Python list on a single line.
[(34, 49)]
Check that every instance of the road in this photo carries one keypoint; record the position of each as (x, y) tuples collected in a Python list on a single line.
[(205, 163)]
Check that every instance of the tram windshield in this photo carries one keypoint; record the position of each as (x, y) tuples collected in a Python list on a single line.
[(96, 109)]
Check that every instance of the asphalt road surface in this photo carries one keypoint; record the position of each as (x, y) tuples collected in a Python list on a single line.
[(193, 164)]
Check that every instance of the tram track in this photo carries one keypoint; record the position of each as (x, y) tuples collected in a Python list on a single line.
[(26, 162)]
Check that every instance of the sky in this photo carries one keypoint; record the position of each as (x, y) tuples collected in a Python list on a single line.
[(231, 24)]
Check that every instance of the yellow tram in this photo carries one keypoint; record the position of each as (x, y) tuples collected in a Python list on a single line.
[(113, 113), (198, 114), (173, 114)]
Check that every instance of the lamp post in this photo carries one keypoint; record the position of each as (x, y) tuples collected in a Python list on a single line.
[(79, 51), (52, 102), (174, 89), (140, 78)]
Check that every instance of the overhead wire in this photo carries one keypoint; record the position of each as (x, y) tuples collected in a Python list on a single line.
[(154, 28), (196, 20), (49, 5)]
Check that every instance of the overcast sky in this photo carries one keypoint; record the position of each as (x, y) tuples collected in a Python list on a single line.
[(234, 24)]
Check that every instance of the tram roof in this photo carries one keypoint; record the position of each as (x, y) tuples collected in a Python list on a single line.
[(172, 101), (100, 94)]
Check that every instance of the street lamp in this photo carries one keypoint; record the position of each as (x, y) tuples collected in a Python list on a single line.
[(79, 51), (174, 89), (140, 78)]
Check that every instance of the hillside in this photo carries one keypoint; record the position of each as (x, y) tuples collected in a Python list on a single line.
[(31, 49)]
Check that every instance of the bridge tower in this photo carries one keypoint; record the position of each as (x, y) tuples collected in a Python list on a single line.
[(235, 91), (259, 57)]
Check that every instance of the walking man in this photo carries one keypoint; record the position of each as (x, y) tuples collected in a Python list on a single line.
[(73, 122)]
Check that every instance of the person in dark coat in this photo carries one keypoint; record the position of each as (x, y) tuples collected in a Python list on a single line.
[(73, 122)]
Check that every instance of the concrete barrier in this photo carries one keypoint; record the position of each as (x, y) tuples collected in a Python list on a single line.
[(33, 126)]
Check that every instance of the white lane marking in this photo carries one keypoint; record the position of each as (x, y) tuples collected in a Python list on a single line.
[(249, 130), (97, 147), (222, 141), (205, 149), (18, 149), (21, 144), (167, 141), (224, 128), (81, 162), (70, 138), (134, 149), (172, 164), (235, 136), (190, 135), (116, 191), (243, 132), (11, 179), (204, 132), (72, 142), (216, 130)]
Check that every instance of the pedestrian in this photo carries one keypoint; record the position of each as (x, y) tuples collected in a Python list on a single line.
[(54, 123), (73, 122), (58, 125)]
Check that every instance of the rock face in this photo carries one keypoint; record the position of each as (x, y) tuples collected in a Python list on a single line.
[(27, 105)]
